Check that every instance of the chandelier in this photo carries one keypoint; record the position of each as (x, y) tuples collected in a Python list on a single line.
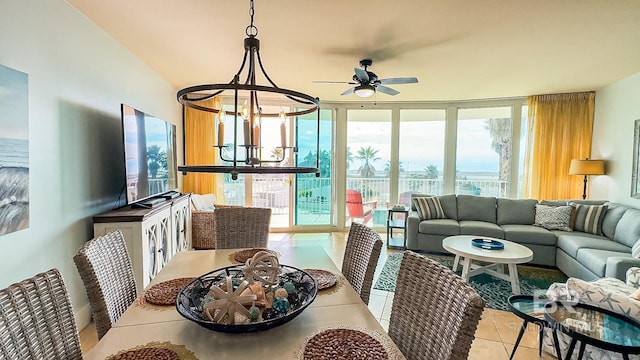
[(261, 114)]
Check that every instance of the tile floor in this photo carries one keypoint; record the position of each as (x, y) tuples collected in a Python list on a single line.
[(496, 332)]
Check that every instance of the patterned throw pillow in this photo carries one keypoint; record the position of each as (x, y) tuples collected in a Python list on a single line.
[(635, 250), (589, 218), (428, 208), (553, 217)]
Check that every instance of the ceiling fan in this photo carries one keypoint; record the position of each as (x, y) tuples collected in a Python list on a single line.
[(367, 82)]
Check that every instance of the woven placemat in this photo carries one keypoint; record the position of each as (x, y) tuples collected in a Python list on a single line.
[(164, 293), (345, 343), (324, 278), (243, 255), (155, 351)]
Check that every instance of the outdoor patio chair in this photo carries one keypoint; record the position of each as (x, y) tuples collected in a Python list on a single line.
[(361, 258), (434, 314), (37, 320), (105, 268), (356, 209), (241, 227)]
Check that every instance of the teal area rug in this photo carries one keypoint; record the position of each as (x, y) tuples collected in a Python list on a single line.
[(493, 290)]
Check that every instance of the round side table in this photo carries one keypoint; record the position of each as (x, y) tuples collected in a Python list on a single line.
[(531, 310)]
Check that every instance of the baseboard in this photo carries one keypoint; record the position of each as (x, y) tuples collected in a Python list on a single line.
[(83, 317)]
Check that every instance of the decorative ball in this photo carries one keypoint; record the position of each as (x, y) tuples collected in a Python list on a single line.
[(290, 287), (281, 306), (281, 293), (254, 312), (263, 267), (269, 313), (294, 300)]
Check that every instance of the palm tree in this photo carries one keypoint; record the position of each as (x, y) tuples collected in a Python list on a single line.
[(431, 172), (157, 160), (387, 168), (500, 132), (368, 155), (349, 157)]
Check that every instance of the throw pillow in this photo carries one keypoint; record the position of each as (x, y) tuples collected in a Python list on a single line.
[(635, 250), (589, 218), (553, 217), (428, 208)]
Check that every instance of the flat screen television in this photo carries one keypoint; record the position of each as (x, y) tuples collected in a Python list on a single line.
[(150, 156)]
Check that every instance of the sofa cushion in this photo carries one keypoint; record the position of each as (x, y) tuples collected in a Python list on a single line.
[(611, 217), (481, 228), (477, 208), (553, 217), (635, 250), (589, 218), (628, 228), (516, 211), (572, 242), (439, 227), (529, 234), (596, 260), (449, 205), (428, 208)]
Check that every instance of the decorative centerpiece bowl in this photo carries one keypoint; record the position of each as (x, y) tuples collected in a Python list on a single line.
[(191, 302), (487, 244)]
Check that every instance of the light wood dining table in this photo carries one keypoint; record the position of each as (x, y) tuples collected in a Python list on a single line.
[(339, 307)]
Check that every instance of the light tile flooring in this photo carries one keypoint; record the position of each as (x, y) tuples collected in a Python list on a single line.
[(496, 332)]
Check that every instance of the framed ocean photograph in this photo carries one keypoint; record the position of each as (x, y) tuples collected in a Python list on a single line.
[(14, 150)]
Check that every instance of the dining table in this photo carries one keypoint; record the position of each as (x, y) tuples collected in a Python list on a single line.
[(147, 325)]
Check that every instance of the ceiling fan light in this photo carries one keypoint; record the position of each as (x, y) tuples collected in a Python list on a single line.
[(365, 91)]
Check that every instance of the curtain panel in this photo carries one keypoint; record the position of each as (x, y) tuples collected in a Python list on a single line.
[(200, 137), (560, 129)]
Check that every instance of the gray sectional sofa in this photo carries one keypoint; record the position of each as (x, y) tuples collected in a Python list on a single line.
[(577, 254)]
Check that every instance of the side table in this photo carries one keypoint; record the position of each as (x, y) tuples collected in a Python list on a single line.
[(396, 242), (594, 326), (531, 310)]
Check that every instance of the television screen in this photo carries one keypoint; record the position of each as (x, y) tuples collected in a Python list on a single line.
[(150, 155)]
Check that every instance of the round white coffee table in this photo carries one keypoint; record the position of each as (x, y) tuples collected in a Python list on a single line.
[(512, 254)]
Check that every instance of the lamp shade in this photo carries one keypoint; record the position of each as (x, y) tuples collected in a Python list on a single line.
[(365, 91), (586, 167)]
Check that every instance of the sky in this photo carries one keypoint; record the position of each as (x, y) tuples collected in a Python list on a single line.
[(14, 104)]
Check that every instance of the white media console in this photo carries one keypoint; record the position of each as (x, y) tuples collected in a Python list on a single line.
[(153, 235)]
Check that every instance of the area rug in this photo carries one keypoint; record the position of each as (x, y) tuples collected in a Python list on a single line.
[(493, 290)]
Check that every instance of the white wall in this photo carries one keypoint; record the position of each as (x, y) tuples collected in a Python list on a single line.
[(617, 108), (78, 76)]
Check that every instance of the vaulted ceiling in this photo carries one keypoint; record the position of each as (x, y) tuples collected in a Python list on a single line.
[(458, 49)]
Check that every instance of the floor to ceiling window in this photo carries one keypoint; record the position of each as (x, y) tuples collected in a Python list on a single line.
[(483, 152), (421, 153), (368, 166)]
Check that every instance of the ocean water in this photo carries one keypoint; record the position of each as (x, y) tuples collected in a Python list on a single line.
[(14, 152)]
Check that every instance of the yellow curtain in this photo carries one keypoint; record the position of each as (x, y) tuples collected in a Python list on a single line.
[(199, 140), (560, 129)]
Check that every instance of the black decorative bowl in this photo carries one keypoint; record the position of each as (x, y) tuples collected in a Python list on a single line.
[(487, 244), (190, 299)]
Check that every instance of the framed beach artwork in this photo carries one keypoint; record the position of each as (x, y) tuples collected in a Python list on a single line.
[(14, 150), (635, 174)]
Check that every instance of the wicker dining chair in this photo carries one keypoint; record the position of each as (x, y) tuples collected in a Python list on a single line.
[(435, 313), (105, 268), (37, 321), (361, 258), (202, 234), (241, 227)]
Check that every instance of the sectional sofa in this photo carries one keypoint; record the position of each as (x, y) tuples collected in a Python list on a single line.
[(576, 253)]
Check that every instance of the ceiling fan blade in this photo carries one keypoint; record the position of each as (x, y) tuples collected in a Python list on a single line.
[(387, 90), (333, 82), (348, 91), (399, 80), (362, 75)]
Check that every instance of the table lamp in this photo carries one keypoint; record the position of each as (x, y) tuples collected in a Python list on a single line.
[(586, 167)]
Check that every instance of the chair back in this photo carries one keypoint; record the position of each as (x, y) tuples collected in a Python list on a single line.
[(241, 227), (37, 321), (361, 258), (354, 203), (434, 314), (105, 268)]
